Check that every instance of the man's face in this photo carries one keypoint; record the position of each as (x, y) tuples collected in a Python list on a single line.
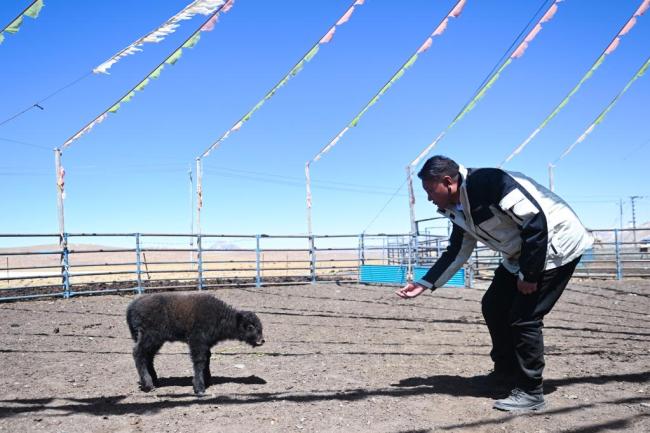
[(440, 192)]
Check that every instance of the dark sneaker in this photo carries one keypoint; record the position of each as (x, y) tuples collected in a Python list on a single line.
[(521, 401)]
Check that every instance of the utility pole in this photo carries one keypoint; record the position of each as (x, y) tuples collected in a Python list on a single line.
[(620, 212), (632, 198)]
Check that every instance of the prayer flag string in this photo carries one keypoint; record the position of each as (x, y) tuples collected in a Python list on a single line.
[(326, 38), (31, 11), (439, 30), (599, 61), (202, 7), (190, 42), (603, 113)]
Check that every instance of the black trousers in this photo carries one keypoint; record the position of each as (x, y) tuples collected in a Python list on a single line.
[(515, 322)]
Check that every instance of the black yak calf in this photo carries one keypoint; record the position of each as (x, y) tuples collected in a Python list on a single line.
[(198, 319)]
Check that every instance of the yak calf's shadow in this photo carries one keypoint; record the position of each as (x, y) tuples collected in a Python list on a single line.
[(216, 380)]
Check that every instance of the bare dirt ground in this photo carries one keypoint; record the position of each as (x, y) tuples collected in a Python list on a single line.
[(350, 358)]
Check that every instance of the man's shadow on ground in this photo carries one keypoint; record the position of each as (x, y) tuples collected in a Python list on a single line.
[(478, 386), (475, 386)]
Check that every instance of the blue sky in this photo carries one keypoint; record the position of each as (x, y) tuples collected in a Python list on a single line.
[(131, 172)]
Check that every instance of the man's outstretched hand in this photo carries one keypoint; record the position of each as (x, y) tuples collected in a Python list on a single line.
[(526, 287), (411, 290)]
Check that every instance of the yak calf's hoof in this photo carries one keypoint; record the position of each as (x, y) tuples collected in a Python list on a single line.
[(146, 387), (199, 388)]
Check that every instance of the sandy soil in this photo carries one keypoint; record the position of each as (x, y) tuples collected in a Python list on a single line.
[(347, 358)]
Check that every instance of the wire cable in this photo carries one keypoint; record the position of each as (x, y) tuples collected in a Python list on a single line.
[(385, 206), (25, 143)]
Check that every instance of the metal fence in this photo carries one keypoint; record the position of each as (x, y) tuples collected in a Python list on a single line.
[(616, 254), (42, 265)]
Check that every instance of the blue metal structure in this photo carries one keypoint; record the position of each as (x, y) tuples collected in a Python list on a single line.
[(396, 274)]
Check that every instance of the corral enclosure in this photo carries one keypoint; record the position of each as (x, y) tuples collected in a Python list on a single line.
[(338, 357), (109, 263)]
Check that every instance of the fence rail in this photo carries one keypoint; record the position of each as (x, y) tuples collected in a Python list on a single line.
[(90, 263), (616, 254)]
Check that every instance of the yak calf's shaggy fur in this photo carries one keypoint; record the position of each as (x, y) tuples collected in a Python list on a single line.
[(198, 319)]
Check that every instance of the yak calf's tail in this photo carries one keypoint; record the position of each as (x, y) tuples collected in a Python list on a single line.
[(129, 321)]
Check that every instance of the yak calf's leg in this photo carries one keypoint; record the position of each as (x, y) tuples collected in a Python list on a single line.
[(141, 356), (200, 356), (207, 377), (150, 356)]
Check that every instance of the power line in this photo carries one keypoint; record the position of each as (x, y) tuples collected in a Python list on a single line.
[(150, 37), (507, 52), (292, 181), (24, 143), (227, 169), (634, 149), (384, 207), (299, 183), (38, 104)]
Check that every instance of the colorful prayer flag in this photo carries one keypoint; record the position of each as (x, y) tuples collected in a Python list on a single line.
[(197, 7), (599, 61), (607, 109), (295, 70), (440, 28)]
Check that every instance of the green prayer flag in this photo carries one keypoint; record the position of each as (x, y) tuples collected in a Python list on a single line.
[(482, 92), (271, 93), (641, 71), (142, 85), (374, 100), (410, 61), (573, 91), (14, 26), (297, 68), (601, 117), (192, 41), (397, 76), (174, 57), (128, 97), (114, 108), (258, 106), (35, 9), (2, 37), (275, 89), (644, 68), (156, 73), (310, 55), (247, 116)]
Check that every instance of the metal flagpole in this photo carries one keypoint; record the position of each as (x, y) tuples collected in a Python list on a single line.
[(409, 178), (63, 238), (59, 190), (199, 193), (551, 179), (308, 186), (191, 196)]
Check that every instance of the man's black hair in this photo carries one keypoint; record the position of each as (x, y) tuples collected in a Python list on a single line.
[(438, 167)]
